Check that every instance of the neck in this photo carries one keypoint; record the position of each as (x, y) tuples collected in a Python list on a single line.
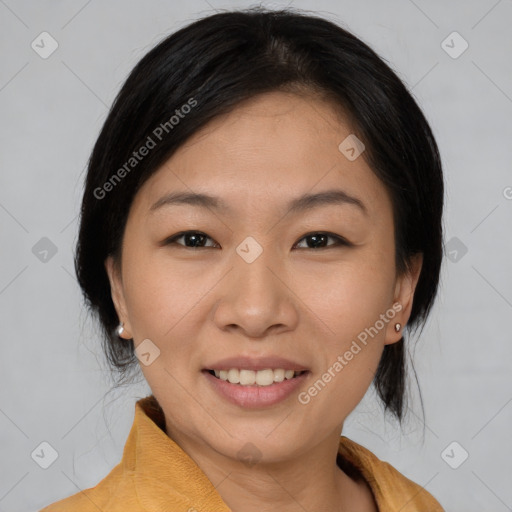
[(309, 481)]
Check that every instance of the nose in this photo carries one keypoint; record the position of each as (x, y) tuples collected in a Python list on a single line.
[(255, 298)]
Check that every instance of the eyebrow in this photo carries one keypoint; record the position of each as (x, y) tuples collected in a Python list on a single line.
[(300, 204)]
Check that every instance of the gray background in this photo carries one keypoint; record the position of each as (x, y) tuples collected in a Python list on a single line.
[(55, 384)]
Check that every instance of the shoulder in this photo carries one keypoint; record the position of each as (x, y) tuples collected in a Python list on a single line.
[(104, 496), (392, 489)]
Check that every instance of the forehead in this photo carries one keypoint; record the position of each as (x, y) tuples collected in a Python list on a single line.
[(268, 150)]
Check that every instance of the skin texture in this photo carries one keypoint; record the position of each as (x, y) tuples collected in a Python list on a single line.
[(200, 305)]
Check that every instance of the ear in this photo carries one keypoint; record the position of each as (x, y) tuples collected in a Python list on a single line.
[(404, 295), (117, 293)]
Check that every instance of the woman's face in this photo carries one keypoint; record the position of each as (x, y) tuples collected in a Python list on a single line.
[(264, 284)]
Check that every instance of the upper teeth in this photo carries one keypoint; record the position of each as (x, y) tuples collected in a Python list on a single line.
[(251, 377)]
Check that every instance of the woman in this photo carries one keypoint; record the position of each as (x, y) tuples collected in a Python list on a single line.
[(261, 222)]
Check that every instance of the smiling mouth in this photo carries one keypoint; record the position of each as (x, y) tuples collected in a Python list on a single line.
[(262, 378)]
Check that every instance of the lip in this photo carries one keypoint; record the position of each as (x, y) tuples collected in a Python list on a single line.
[(256, 363), (254, 397)]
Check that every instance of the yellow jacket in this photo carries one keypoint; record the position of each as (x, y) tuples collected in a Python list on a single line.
[(156, 475)]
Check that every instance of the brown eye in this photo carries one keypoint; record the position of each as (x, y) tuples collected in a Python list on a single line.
[(191, 239), (197, 240), (319, 240)]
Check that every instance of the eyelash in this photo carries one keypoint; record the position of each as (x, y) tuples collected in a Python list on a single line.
[(340, 241)]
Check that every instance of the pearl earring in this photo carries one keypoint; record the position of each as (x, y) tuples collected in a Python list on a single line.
[(120, 329), (397, 327)]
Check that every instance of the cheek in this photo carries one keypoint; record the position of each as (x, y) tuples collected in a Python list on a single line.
[(350, 310), (157, 295), (349, 296), (350, 299), (166, 303)]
